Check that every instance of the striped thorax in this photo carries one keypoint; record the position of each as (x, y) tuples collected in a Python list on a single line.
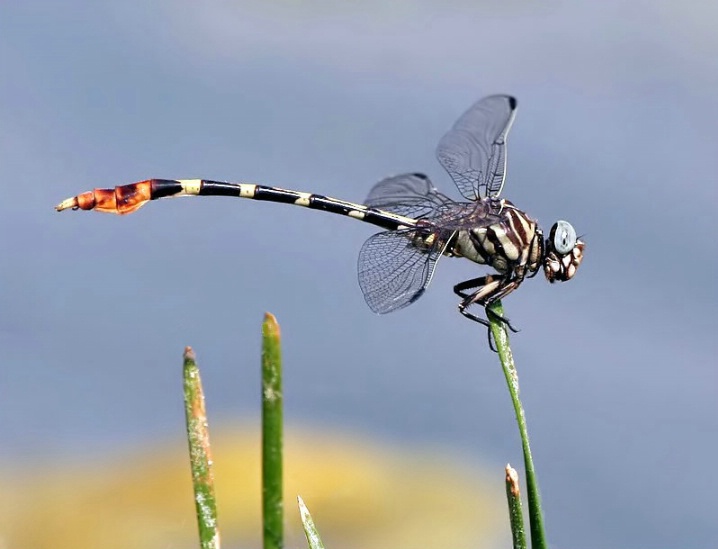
[(509, 242)]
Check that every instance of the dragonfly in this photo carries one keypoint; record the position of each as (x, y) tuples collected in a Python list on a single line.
[(420, 224)]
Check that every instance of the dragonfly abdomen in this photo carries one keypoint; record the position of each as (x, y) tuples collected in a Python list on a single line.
[(126, 199)]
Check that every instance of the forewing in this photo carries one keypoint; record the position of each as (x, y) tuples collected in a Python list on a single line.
[(410, 194), (394, 273), (468, 215), (474, 150)]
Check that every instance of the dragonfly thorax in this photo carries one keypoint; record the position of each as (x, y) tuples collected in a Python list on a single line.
[(512, 242)]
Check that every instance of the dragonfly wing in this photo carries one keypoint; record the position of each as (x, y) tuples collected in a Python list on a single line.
[(474, 150), (393, 272), (410, 194), (468, 215)]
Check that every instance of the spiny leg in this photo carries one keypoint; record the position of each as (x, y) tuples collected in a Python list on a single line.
[(507, 289), (487, 290)]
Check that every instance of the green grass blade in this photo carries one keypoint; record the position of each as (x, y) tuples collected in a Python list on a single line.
[(272, 509), (310, 530), (501, 337), (516, 516), (200, 454)]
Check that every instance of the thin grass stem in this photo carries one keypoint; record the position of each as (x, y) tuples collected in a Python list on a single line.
[(200, 454), (501, 338), (516, 515), (272, 506)]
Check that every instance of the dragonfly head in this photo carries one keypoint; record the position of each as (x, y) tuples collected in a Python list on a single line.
[(564, 252)]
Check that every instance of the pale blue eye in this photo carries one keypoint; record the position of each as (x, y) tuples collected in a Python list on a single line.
[(564, 237)]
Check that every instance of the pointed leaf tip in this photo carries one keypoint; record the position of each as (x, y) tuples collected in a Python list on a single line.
[(270, 326), (512, 480), (310, 529)]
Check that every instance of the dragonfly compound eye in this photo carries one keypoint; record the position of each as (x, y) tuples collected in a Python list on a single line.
[(564, 237)]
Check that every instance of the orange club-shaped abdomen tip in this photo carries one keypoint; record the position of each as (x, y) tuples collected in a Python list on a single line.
[(120, 200)]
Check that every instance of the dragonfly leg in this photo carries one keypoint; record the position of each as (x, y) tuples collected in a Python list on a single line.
[(484, 322), (484, 286), (505, 290), (487, 290), (472, 316), (473, 284)]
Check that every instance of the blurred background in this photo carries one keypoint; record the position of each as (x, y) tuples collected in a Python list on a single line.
[(616, 132)]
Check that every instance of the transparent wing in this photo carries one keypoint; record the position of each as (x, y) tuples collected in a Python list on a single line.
[(410, 194), (474, 150), (413, 195), (393, 272), (468, 215)]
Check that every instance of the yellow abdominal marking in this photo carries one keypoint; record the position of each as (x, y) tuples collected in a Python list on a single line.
[(190, 186), (303, 199), (247, 190)]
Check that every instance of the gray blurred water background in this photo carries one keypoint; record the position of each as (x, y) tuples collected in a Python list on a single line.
[(616, 131)]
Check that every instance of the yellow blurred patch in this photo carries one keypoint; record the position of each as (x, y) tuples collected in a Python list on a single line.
[(362, 495)]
